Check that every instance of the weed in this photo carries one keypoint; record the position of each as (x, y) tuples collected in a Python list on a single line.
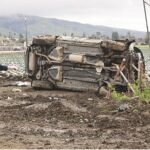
[(144, 94), (116, 95), (135, 110), (119, 96)]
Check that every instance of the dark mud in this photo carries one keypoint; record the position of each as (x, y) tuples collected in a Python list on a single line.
[(61, 119)]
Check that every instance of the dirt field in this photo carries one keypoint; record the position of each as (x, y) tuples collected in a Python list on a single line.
[(61, 119)]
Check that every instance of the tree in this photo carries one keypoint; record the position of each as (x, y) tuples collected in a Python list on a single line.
[(10, 35), (64, 34), (115, 36), (21, 38), (84, 35), (122, 37), (72, 34), (98, 35), (93, 36), (128, 35)]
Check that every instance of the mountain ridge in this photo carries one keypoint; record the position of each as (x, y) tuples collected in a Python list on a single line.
[(40, 25)]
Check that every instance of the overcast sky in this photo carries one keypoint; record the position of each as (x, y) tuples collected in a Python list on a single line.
[(116, 13)]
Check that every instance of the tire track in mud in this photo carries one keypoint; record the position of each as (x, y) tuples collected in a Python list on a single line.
[(72, 106), (51, 119)]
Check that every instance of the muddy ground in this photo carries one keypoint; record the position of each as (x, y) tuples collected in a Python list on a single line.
[(60, 119)]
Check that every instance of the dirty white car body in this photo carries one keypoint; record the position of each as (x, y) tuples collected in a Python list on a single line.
[(80, 64)]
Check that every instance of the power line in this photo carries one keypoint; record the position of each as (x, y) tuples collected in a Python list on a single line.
[(144, 2), (147, 3)]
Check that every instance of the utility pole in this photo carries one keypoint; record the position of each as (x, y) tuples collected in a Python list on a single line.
[(25, 19), (144, 5)]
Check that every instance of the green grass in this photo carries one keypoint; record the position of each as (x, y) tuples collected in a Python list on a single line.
[(119, 96), (143, 47), (143, 95)]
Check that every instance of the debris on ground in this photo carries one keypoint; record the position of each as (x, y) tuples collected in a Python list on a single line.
[(16, 90), (60, 119), (123, 107)]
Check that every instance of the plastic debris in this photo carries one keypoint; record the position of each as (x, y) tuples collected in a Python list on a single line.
[(123, 107), (90, 99), (9, 98), (16, 90), (24, 84)]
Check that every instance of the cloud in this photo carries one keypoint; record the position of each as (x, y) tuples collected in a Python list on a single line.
[(117, 13)]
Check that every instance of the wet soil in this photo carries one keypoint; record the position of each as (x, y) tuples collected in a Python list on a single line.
[(60, 119)]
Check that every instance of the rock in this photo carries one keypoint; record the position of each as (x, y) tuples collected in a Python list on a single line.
[(56, 98), (90, 125), (47, 143), (103, 91), (90, 99), (146, 114), (9, 98), (38, 107), (123, 107), (86, 120), (25, 95), (81, 121), (16, 90), (69, 140)]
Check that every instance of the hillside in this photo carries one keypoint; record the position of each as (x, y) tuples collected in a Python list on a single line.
[(38, 25)]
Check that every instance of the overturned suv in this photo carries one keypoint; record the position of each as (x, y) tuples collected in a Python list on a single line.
[(54, 62)]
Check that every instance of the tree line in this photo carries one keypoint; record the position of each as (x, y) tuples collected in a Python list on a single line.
[(98, 35)]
